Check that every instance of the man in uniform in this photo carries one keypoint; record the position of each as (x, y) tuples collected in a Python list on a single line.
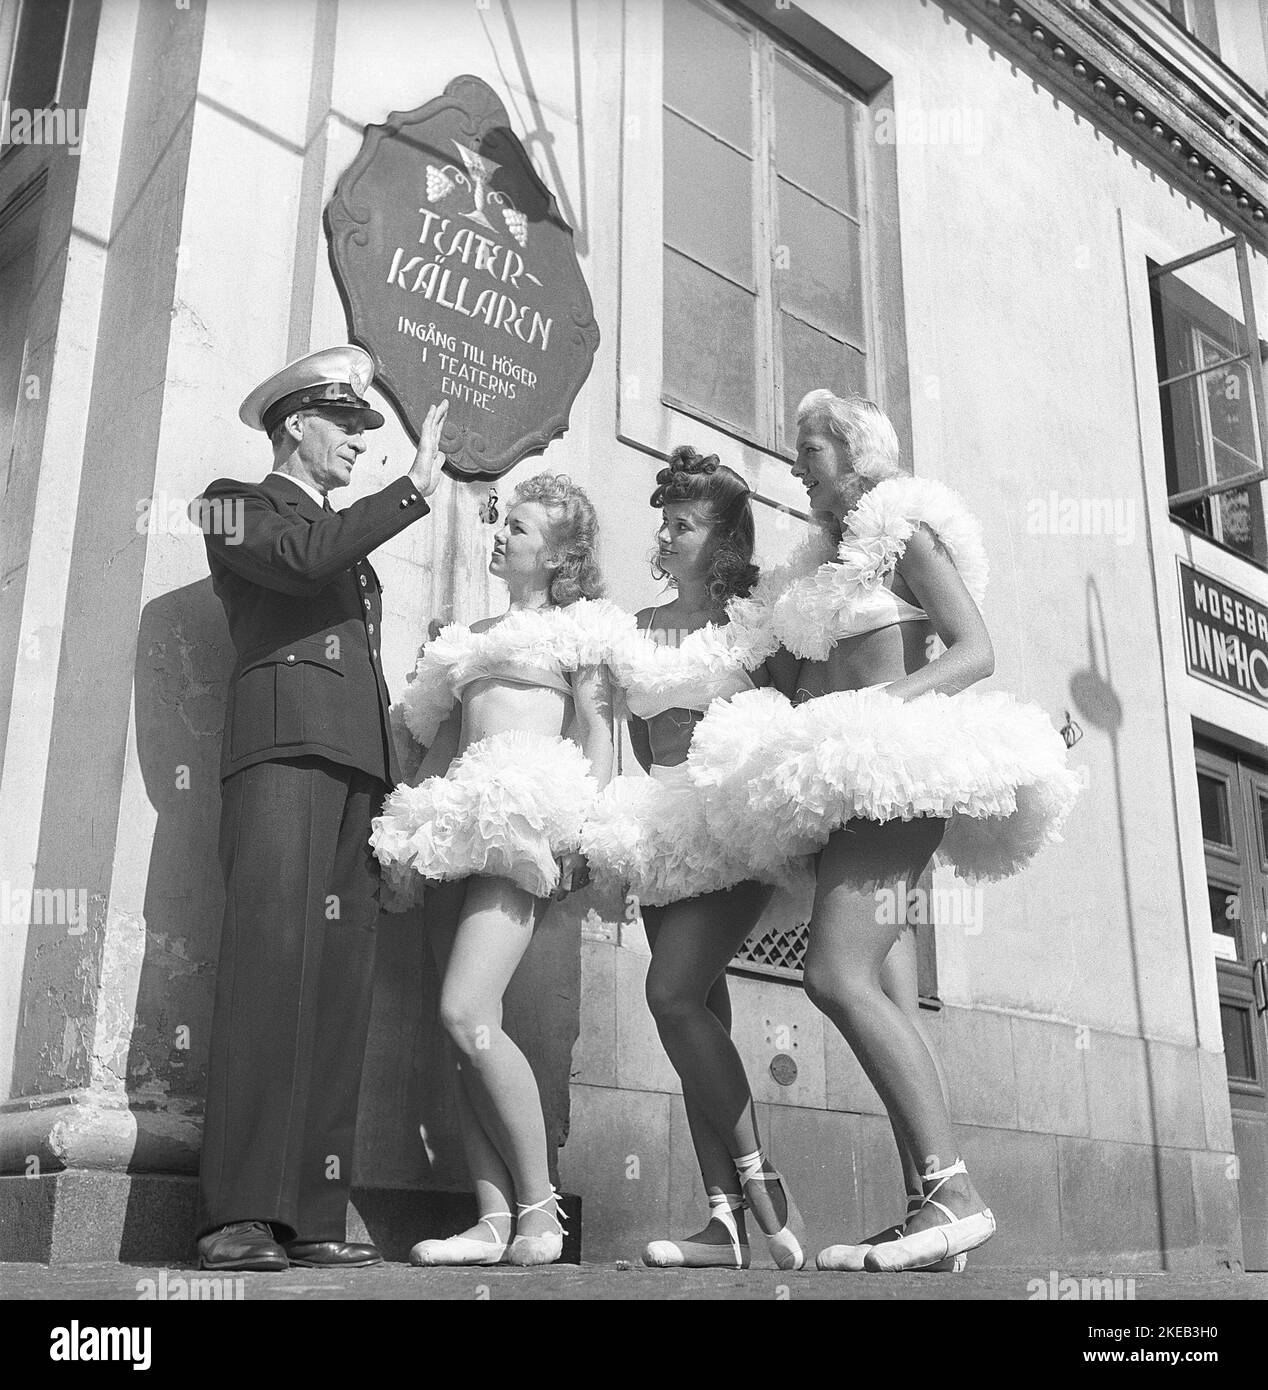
[(306, 761)]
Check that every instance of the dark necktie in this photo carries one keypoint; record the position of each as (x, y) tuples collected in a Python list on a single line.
[(325, 505)]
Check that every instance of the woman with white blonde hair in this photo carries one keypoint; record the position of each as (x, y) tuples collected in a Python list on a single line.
[(882, 757), (864, 427)]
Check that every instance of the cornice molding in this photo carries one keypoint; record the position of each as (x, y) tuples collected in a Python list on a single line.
[(1182, 113)]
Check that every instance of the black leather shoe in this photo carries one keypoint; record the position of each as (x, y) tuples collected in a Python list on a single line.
[(241, 1245), (331, 1254)]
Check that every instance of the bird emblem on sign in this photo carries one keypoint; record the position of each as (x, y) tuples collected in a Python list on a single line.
[(444, 179)]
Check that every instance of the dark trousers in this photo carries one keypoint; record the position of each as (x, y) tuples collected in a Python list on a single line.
[(292, 996)]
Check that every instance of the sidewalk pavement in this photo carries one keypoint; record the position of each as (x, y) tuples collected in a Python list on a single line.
[(612, 1280)]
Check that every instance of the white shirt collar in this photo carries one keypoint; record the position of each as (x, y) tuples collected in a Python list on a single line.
[(318, 497)]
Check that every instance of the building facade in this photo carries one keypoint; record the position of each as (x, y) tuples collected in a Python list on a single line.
[(1034, 233)]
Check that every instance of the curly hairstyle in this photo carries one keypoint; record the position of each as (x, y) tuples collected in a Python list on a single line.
[(692, 477), (574, 534)]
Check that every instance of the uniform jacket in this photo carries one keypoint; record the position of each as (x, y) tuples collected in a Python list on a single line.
[(304, 611)]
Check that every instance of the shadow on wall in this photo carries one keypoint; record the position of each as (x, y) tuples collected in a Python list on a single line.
[(1098, 704), (408, 1129), (182, 655)]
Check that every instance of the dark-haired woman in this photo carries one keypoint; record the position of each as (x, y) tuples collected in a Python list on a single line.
[(698, 903), (494, 831)]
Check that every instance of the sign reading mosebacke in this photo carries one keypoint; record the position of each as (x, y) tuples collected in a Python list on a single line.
[(1225, 635), (460, 277)]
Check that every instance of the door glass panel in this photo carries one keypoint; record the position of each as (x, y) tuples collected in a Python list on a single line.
[(1225, 914), (1263, 825), (1239, 1054), (1213, 801)]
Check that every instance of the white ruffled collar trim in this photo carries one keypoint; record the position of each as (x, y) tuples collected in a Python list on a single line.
[(554, 639), (705, 662), (810, 597), (709, 656)]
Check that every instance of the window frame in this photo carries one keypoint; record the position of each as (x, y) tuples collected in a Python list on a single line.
[(1254, 365), (645, 419), (767, 380)]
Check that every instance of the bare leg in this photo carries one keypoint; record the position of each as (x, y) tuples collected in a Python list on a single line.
[(494, 1188), (695, 940), (899, 980), (849, 942), (717, 1169), (494, 929)]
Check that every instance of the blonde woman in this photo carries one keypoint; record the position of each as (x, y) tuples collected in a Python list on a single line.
[(883, 757), (492, 827)]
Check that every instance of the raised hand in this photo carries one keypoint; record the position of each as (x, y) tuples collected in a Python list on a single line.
[(425, 474)]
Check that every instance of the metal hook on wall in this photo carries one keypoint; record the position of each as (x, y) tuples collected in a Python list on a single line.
[(1071, 733)]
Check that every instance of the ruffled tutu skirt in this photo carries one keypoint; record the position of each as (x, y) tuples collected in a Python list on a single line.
[(649, 836), (778, 779), (506, 808)]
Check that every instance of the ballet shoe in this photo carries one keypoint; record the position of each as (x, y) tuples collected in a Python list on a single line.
[(700, 1254), (937, 1245), (538, 1250), (786, 1244), (462, 1250), (851, 1258)]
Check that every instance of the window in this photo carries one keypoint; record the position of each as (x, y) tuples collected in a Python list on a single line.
[(1211, 379), (763, 249), (32, 50)]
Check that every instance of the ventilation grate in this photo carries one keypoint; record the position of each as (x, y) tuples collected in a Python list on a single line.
[(779, 951)]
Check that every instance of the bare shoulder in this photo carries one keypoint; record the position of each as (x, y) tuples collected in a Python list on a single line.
[(924, 542), (924, 550)]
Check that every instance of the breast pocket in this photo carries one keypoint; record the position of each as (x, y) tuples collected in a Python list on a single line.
[(289, 696)]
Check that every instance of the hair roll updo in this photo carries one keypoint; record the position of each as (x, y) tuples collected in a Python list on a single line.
[(692, 477), (574, 534)]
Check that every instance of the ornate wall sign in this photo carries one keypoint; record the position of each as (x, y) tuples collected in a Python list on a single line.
[(460, 277)]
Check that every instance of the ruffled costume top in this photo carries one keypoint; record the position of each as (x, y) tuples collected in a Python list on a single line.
[(511, 802), (649, 835), (780, 778)]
